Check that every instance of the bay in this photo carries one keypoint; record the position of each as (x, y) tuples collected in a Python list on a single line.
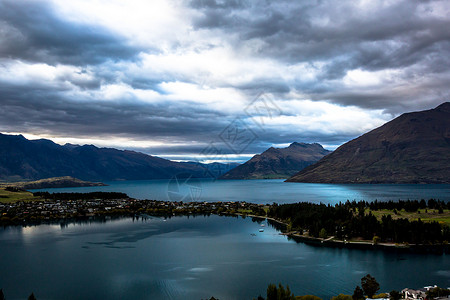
[(267, 191), (192, 258)]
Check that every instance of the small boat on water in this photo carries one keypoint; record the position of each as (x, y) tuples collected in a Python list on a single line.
[(261, 230)]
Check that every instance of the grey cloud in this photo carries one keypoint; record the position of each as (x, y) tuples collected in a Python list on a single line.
[(32, 31), (46, 111), (217, 4), (396, 36), (29, 109)]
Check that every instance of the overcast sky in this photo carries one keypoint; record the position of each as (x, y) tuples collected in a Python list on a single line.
[(179, 79)]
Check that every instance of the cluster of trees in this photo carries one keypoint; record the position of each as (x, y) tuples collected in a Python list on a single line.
[(409, 205), (348, 220), (2, 296), (278, 293), (81, 196), (13, 189), (369, 285), (437, 292)]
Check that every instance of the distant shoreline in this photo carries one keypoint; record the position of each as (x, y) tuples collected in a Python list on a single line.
[(54, 182)]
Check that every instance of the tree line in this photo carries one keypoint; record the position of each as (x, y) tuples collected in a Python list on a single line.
[(2, 296), (407, 205), (350, 220), (369, 287)]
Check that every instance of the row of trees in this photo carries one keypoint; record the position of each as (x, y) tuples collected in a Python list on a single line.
[(13, 189), (369, 285), (2, 296), (408, 205), (349, 220)]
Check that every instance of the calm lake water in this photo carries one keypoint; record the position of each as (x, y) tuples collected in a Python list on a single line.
[(191, 258), (268, 191), (196, 258)]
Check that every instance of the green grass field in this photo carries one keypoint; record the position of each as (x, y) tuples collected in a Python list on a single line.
[(430, 215), (9, 197)]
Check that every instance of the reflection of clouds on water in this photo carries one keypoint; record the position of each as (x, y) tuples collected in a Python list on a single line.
[(445, 273), (127, 284), (173, 269), (200, 269), (250, 262), (359, 272), (323, 265), (293, 266), (189, 278), (120, 247), (121, 240)]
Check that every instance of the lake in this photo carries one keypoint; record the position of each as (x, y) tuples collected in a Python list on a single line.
[(191, 258), (267, 191)]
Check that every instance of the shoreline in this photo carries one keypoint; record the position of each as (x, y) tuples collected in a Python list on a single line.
[(54, 211), (362, 245)]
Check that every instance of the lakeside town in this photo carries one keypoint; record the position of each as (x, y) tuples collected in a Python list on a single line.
[(350, 224), (41, 211), (67, 207)]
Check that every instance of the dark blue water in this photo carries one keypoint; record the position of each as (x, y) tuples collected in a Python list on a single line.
[(268, 191), (194, 258)]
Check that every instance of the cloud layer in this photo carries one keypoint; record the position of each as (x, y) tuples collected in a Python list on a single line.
[(170, 76)]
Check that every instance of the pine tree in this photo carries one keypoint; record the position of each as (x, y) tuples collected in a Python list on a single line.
[(395, 295), (358, 294), (369, 285), (31, 297)]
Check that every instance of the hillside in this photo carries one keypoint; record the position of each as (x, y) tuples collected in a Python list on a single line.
[(22, 159), (412, 148), (278, 162), (55, 182)]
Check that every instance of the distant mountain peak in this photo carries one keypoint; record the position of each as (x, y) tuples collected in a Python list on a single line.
[(14, 136), (297, 144), (278, 162), (445, 107)]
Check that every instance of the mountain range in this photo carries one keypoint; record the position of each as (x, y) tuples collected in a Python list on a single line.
[(412, 148), (23, 159), (278, 162)]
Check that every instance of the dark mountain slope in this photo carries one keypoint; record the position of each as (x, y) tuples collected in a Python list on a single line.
[(22, 159), (278, 162), (413, 148)]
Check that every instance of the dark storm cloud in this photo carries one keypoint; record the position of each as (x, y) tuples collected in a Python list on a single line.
[(342, 37), (392, 36), (329, 38), (43, 111), (32, 31)]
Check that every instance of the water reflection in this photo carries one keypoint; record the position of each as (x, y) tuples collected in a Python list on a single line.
[(192, 258)]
